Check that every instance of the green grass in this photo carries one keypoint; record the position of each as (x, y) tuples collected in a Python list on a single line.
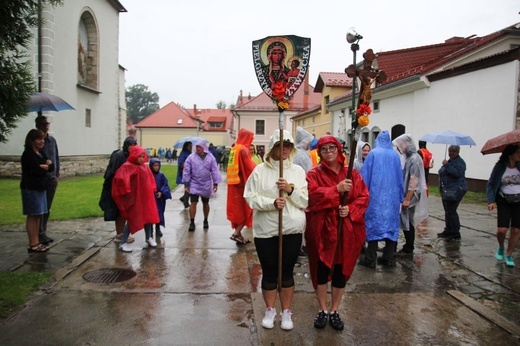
[(15, 288), (76, 197), (470, 197)]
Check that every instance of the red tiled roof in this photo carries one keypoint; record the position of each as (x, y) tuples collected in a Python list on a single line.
[(168, 116), (174, 116), (420, 61), (262, 102), (403, 63), (332, 79)]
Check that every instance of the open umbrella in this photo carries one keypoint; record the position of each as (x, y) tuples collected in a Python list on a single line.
[(498, 144), (448, 138), (193, 140), (44, 102)]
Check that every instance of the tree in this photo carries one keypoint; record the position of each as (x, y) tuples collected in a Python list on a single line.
[(221, 105), (140, 102), (18, 19)]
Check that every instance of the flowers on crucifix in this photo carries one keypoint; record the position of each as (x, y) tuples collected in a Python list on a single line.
[(363, 111)]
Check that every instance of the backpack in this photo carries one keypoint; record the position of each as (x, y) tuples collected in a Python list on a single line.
[(427, 158)]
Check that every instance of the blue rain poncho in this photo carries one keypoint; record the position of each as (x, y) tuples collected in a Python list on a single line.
[(383, 176)]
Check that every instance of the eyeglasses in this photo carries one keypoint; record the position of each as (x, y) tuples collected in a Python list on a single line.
[(331, 149)]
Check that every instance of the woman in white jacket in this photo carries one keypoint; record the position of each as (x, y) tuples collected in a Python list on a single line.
[(262, 192)]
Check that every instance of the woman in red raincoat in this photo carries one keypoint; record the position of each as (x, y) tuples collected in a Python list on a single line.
[(240, 166), (327, 183), (133, 190)]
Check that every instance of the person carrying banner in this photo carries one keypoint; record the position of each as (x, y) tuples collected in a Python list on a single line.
[(262, 193)]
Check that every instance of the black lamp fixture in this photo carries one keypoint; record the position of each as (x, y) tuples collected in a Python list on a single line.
[(353, 38)]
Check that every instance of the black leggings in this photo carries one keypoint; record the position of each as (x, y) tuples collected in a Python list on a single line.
[(338, 279), (267, 250)]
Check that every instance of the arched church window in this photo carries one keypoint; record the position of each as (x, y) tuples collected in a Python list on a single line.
[(88, 56)]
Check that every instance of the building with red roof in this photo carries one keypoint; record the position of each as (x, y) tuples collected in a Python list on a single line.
[(260, 115), (173, 122), (468, 85)]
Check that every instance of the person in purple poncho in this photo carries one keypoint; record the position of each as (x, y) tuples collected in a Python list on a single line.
[(200, 177)]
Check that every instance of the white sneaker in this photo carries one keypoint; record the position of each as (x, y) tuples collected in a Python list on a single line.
[(287, 323), (118, 237), (151, 242), (125, 247), (268, 321)]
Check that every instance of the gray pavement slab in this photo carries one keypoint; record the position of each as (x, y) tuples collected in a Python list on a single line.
[(201, 288), (385, 319)]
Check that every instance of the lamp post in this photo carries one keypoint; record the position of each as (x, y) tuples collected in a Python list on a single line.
[(353, 38)]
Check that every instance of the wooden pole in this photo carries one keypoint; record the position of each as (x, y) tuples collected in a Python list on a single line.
[(353, 143), (280, 211)]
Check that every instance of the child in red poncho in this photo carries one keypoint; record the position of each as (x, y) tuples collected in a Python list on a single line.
[(133, 190)]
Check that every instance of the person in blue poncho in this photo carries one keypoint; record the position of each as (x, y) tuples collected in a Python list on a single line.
[(383, 176), (162, 193)]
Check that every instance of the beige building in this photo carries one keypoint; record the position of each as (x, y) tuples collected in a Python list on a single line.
[(318, 120), (260, 115), (172, 122)]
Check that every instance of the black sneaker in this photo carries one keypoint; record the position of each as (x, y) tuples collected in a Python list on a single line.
[(386, 262), (335, 321), (206, 224), (321, 320), (192, 227), (42, 238), (368, 264), (443, 234), (158, 233), (453, 237)]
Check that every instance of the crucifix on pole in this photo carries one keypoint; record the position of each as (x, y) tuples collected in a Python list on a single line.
[(367, 76)]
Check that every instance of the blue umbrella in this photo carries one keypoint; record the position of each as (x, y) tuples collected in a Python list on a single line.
[(44, 102), (193, 140), (448, 138)]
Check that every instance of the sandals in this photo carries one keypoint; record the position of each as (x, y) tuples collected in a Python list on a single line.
[(239, 239), (38, 248)]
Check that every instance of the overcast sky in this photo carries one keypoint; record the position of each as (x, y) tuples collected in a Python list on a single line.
[(199, 51)]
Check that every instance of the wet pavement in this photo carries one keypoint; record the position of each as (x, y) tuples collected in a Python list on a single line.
[(201, 288)]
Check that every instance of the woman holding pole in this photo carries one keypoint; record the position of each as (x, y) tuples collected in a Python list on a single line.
[(262, 193), (327, 184)]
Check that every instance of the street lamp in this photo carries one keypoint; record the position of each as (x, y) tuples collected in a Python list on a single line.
[(353, 38)]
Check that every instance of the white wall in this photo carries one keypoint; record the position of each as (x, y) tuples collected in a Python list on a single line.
[(481, 104), (60, 78)]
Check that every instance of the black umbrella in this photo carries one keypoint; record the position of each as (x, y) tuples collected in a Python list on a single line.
[(40, 102)]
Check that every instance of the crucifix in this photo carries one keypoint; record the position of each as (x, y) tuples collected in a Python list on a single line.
[(367, 75)]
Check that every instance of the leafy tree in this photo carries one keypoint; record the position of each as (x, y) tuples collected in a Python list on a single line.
[(221, 105), (18, 19), (140, 102)]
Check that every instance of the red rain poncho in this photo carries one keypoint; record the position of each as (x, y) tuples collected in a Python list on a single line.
[(322, 215), (238, 211), (133, 191)]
